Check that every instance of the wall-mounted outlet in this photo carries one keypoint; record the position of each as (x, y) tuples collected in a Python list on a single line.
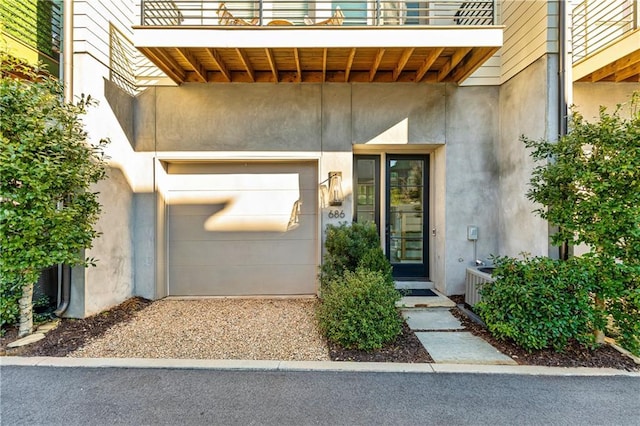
[(472, 232)]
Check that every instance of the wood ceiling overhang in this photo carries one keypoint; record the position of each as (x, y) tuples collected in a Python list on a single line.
[(617, 62), (310, 55)]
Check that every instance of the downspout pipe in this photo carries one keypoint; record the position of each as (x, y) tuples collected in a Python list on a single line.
[(67, 50), (64, 271), (564, 91), (64, 289), (563, 81)]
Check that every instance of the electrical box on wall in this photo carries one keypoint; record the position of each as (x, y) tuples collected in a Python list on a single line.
[(472, 232)]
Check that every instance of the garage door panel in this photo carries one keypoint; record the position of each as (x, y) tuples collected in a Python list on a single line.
[(187, 210), (247, 252), (184, 203), (193, 228), (242, 224), (227, 175), (242, 280)]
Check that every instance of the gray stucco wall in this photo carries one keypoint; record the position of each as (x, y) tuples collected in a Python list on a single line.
[(526, 108), (472, 197), (200, 117), (111, 280), (328, 121), (398, 113), (480, 169), (144, 240), (287, 118)]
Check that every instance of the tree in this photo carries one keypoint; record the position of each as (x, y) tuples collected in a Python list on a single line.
[(589, 186), (47, 167)]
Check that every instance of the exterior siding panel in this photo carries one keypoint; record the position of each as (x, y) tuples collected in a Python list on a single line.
[(530, 33)]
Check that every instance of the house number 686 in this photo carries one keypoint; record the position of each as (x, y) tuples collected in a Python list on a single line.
[(336, 214)]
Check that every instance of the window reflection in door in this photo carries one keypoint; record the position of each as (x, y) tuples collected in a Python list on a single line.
[(406, 216)]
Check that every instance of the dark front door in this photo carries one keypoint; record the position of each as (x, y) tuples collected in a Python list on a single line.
[(407, 214)]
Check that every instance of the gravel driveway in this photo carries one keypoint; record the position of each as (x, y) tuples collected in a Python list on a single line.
[(276, 329)]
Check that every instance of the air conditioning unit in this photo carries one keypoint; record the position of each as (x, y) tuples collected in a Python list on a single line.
[(474, 280)]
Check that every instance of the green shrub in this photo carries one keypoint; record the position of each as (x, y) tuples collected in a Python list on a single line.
[(590, 192), (620, 286), (358, 310), (349, 246), (375, 260), (625, 313), (541, 303), (9, 310)]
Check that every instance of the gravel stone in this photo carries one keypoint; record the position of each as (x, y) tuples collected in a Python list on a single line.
[(231, 328)]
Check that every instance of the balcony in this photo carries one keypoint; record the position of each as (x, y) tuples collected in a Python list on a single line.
[(309, 42), (606, 41)]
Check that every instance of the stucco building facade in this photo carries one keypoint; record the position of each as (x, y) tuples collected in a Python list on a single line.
[(220, 164)]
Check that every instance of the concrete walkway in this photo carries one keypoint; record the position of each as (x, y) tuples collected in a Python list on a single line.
[(444, 338), (442, 335)]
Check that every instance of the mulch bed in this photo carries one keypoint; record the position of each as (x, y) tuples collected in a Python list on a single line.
[(73, 333), (574, 355), (406, 348)]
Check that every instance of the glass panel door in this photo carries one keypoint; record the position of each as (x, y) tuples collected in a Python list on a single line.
[(406, 218), (367, 189)]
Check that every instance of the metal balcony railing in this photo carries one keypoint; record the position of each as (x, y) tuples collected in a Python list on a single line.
[(597, 23), (336, 13), (36, 24), (128, 68)]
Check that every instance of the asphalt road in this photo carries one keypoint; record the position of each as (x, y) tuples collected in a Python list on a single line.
[(112, 396)]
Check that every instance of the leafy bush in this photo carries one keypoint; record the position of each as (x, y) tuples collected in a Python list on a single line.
[(591, 193), (48, 207), (591, 189), (619, 285), (9, 295), (541, 303), (358, 310), (349, 246)]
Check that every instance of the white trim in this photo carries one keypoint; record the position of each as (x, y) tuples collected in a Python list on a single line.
[(287, 37), (418, 149), (235, 155)]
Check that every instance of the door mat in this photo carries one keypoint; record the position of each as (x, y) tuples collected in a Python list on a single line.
[(418, 292)]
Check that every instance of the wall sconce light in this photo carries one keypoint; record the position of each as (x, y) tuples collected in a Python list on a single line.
[(336, 195)]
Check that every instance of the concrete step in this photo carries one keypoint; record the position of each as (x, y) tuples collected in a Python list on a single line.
[(414, 285), (439, 300), (443, 337), (457, 347), (431, 319)]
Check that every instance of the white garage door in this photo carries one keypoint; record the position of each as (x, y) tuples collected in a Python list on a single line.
[(242, 229)]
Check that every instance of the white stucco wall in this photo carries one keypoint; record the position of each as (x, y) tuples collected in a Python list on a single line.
[(588, 97)]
